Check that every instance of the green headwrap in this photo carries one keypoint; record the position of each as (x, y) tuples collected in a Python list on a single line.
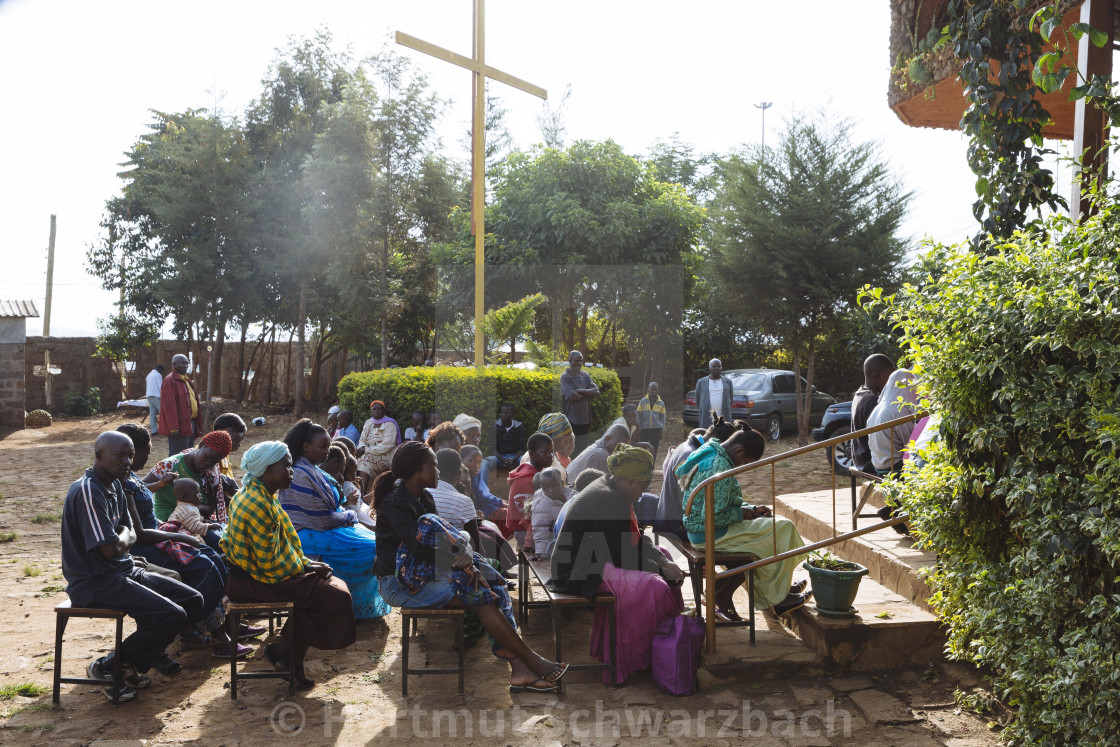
[(554, 424), (631, 462)]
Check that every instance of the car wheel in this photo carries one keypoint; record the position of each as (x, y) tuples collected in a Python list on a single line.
[(774, 426), (839, 457)]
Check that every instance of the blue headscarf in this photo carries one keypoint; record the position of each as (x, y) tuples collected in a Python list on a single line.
[(260, 457)]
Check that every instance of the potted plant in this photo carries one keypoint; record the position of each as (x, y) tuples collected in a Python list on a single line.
[(835, 583)]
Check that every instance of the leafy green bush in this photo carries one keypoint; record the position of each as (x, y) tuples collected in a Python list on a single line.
[(1020, 354), (452, 390), (83, 403)]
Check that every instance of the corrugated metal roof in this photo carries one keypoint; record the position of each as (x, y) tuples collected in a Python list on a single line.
[(18, 308)]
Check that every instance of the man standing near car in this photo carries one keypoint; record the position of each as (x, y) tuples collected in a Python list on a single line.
[(578, 390), (876, 370), (713, 392)]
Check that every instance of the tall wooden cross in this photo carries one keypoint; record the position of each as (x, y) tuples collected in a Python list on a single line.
[(482, 71)]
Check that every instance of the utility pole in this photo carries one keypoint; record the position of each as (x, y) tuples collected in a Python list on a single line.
[(47, 314), (763, 105)]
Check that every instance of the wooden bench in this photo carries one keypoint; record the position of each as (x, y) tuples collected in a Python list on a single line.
[(695, 558), (410, 615), (555, 600), (274, 610), (62, 615)]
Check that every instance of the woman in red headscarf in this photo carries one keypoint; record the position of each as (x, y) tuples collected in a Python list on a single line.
[(201, 465)]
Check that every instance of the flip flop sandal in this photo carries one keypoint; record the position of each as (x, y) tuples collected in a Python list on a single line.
[(533, 688), (554, 676), (223, 651)]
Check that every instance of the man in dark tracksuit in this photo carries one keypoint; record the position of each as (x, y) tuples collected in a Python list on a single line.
[(96, 535)]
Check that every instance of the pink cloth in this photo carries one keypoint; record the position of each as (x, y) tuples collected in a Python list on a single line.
[(644, 600)]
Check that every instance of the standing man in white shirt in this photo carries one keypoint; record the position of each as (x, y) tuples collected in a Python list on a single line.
[(154, 384), (713, 393)]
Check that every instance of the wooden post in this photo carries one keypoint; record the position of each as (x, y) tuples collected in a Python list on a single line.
[(47, 314), (1090, 123)]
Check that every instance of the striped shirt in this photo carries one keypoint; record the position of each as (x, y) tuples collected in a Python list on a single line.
[(452, 506), (90, 517), (313, 500), (259, 538)]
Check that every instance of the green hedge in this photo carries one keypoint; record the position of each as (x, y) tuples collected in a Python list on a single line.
[(452, 390), (1019, 352)]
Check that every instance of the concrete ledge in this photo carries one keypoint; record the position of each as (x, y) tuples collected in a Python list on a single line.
[(891, 558), (904, 635)]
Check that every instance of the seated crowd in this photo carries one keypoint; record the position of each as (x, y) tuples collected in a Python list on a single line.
[(345, 522)]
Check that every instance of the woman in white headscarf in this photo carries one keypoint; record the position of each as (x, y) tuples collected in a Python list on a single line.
[(899, 398)]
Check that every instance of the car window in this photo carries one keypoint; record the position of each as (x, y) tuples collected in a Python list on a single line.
[(783, 384), (749, 382)]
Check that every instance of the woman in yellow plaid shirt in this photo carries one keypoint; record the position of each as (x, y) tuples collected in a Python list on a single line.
[(267, 564)]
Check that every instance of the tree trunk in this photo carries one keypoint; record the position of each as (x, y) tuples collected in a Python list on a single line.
[(241, 362), (288, 371), (219, 348), (583, 329), (301, 349), (614, 344), (271, 367), (810, 365)]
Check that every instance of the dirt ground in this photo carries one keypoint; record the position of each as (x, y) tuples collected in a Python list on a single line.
[(357, 699)]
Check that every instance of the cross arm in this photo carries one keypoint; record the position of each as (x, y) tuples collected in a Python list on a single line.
[(469, 63)]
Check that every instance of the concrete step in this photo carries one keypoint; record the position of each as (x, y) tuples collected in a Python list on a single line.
[(891, 558), (886, 632)]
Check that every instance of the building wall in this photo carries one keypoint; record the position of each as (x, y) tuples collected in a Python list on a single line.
[(12, 389)]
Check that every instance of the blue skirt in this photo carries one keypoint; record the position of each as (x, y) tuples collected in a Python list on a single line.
[(350, 552)]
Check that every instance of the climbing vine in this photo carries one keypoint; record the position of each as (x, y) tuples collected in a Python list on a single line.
[(999, 50)]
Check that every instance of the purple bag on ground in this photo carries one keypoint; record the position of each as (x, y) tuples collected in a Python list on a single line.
[(677, 644)]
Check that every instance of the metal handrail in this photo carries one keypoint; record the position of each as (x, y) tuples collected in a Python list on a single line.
[(708, 486)]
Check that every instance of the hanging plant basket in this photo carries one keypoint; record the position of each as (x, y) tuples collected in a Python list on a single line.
[(835, 583)]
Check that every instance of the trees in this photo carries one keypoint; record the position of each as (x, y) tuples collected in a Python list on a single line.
[(176, 239), (795, 236), (314, 209), (586, 226)]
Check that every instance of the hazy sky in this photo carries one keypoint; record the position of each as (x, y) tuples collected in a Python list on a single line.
[(78, 80)]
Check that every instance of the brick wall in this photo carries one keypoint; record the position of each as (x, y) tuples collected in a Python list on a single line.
[(11, 384)]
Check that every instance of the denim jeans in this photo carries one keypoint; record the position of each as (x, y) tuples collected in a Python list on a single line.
[(434, 594), (153, 414)]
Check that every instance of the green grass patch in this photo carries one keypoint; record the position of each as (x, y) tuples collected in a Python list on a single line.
[(8, 536), (24, 689), (51, 517), (30, 571)]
